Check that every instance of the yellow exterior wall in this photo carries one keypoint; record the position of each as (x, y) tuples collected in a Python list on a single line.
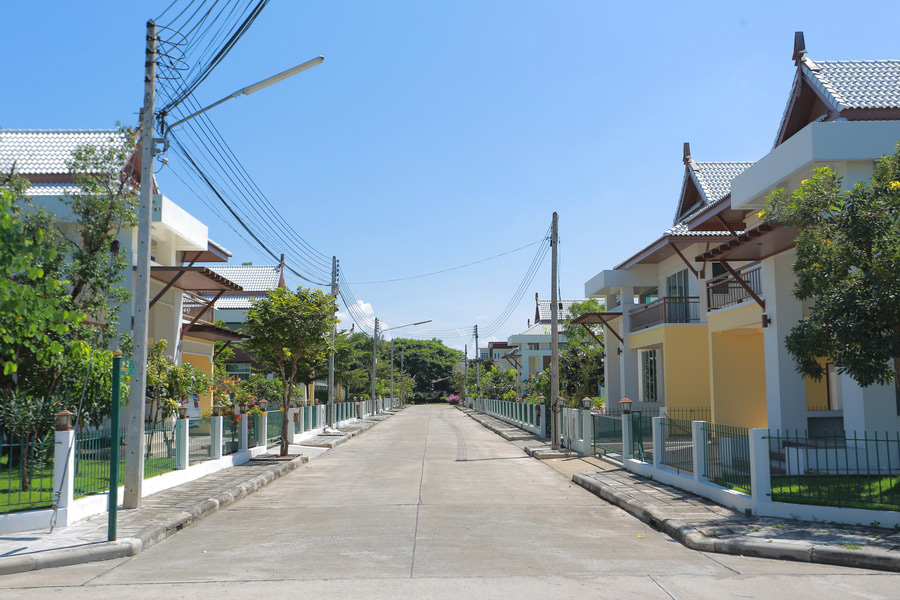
[(205, 365), (685, 362), (817, 391), (738, 379), (747, 315)]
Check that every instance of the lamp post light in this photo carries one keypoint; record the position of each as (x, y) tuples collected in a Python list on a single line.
[(262, 404), (182, 411), (64, 420)]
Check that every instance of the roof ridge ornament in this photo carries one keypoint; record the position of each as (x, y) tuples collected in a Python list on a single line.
[(688, 159), (800, 51)]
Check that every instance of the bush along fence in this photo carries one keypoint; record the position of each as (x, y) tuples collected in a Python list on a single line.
[(76, 464), (844, 478)]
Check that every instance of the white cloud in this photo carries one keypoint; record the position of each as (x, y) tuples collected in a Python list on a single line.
[(365, 308)]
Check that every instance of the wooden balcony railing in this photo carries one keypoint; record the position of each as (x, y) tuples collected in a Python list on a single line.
[(193, 305), (672, 309), (725, 290)]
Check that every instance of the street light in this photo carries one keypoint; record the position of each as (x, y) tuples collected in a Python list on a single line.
[(134, 469), (375, 352), (246, 91)]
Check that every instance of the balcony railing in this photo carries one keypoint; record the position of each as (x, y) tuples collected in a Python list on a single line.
[(672, 309), (724, 290), (193, 305)]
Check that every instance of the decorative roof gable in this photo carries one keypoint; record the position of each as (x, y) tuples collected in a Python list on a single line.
[(705, 183), (845, 89)]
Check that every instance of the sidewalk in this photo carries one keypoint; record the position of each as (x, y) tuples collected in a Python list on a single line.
[(706, 526), (703, 525), (164, 513)]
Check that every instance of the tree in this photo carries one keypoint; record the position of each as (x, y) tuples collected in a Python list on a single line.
[(426, 360), (848, 264), (500, 384), (581, 361), (290, 335)]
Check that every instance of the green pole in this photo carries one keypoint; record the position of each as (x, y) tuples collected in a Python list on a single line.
[(114, 446)]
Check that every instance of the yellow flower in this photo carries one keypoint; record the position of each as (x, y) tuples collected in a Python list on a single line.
[(895, 185), (804, 182), (761, 214)]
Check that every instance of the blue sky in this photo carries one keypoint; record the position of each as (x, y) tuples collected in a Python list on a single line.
[(440, 133)]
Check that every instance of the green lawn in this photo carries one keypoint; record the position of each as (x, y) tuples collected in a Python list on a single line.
[(92, 478), (850, 491)]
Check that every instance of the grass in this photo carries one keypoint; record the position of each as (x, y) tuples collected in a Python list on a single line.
[(875, 492), (91, 478)]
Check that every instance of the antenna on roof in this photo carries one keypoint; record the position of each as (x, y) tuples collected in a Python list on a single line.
[(799, 47)]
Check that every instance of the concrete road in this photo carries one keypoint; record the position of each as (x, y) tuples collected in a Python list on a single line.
[(431, 505)]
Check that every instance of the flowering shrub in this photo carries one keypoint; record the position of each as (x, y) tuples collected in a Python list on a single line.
[(453, 400)]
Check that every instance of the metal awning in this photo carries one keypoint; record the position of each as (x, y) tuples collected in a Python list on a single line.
[(597, 318), (213, 253), (213, 333), (755, 244), (193, 279)]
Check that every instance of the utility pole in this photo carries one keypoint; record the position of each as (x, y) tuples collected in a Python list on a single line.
[(466, 374), (334, 292), (374, 364), (554, 330), (392, 369), (477, 366), (134, 436)]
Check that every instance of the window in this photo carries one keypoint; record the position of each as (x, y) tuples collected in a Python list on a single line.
[(677, 284), (677, 287), (649, 378), (484, 355), (649, 296), (496, 356), (534, 346), (834, 396), (239, 370)]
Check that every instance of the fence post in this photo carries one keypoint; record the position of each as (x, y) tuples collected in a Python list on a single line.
[(627, 446), (587, 431), (215, 437), (244, 432), (289, 415), (262, 430), (64, 472), (760, 466), (182, 444), (659, 440), (700, 442)]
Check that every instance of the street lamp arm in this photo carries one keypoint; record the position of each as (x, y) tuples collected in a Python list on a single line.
[(250, 89), (407, 325)]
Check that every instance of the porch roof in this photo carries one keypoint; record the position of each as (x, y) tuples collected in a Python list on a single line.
[(762, 241), (193, 279), (213, 333)]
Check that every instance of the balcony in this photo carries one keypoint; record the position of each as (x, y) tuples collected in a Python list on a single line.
[(724, 290), (194, 305), (672, 309)]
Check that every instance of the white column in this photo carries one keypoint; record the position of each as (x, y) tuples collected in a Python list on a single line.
[(785, 388), (243, 432), (262, 432), (289, 415), (760, 466), (182, 444), (628, 360), (626, 437), (64, 471), (215, 437), (588, 430), (700, 443), (659, 440)]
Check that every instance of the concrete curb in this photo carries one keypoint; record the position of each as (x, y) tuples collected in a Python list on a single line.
[(696, 540), (154, 534)]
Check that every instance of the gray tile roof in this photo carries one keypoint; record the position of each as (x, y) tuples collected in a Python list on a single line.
[(682, 229), (858, 83), (37, 151), (52, 189), (235, 302), (715, 177), (539, 329), (563, 315), (252, 278)]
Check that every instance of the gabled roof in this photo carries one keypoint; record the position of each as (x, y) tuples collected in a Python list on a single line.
[(705, 183), (826, 90), (235, 302), (543, 308), (253, 278), (43, 152)]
